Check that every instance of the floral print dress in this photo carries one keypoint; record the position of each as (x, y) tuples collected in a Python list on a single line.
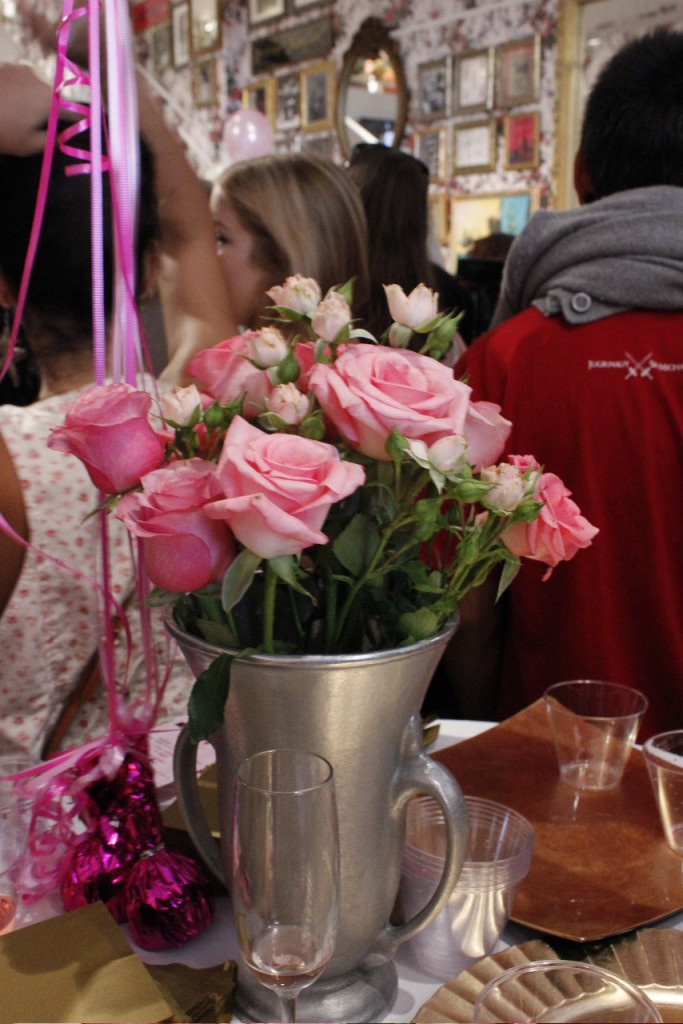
[(49, 629)]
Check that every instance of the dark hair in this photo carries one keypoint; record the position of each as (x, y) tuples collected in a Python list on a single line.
[(60, 289), (632, 133), (393, 187)]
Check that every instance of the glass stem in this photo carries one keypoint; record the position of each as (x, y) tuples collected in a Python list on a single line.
[(288, 1008)]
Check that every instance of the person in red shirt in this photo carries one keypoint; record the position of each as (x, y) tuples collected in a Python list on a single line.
[(586, 359)]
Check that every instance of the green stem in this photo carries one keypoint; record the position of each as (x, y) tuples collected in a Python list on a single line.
[(269, 608)]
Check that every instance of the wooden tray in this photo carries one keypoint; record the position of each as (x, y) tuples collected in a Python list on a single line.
[(600, 864)]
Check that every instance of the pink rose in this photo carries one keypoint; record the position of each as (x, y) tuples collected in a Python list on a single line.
[(486, 432), (108, 428), (279, 488), (183, 549), (412, 310), (332, 316), (301, 294), (560, 529), (226, 373), (372, 388)]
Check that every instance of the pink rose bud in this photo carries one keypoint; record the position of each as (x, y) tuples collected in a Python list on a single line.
[(267, 347), (287, 402), (180, 406), (412, 310), (448, 454), (301, 294), (509, 487), (332, 316)]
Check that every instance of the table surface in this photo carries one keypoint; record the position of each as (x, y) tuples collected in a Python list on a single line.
[(218, 943)]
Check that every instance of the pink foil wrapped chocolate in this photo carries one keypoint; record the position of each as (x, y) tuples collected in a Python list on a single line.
[(167, 900)]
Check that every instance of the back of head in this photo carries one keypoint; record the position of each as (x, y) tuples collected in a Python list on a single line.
[(60, 289), (393, 187), (304, 215), (632, 132)]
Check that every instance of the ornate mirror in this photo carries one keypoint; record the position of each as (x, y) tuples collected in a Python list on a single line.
[(372, 98)]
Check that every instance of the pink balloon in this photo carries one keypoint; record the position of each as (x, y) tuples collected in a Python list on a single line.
[(247, 133)]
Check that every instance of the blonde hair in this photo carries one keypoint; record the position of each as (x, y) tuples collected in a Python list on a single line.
[(305, 216)]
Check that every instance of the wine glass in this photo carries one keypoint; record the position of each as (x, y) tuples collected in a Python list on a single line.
[(285, 856)]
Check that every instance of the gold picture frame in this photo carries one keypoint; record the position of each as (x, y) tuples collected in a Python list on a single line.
[(518, 68), (262, 11), (474, 146), (205, 26), (474, 216), (473, 81), (204, 82), (430, 148), (318, 89), (437, 203), (262, 96), (522, 141), (180, 32), (433, 84)]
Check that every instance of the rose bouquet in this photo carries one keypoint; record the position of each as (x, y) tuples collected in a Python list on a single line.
[(321, 493)]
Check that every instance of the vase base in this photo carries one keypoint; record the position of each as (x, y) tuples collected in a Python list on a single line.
[(362, 995)]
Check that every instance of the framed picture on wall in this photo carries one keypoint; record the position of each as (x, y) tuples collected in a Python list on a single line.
[(518, 72), (265, 10), (432, 89), (521, 141), (161, 47), (430, 148), (308, 5), (474, 147), (288, 113), (261, 96), (180, 31), (473, 81), (473, 217), (318, 85), (438, 216), (205, 26), (204, 82)]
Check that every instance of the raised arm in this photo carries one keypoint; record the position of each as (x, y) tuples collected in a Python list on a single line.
[(191, 287)]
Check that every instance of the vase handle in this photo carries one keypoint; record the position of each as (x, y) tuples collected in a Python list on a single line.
[(420, 775), (187, 791)]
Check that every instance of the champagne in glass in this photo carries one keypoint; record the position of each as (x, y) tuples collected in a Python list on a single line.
[(285, 890)]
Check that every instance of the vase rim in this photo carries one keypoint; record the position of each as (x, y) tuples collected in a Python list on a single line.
[(206, 647)]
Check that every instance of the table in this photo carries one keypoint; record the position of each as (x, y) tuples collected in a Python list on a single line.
[(218, 942)]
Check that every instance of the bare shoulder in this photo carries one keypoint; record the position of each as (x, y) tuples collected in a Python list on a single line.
[(13, 511)]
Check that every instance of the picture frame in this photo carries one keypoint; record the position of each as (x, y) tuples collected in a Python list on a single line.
[(204, 82), (261, 11), (180, 34), (307, 5), (433, 81), (473, 81), (437, 204), (522, 136), (430, 148), (205, 26), (161, 46), (518, 66), (474, 146), (288, 101), (318, 87), (261, 96), (472, 217), (312, 39)]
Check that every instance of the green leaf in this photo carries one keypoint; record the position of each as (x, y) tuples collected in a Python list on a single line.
[(206, 705), (238, 578), (418, 625), (355, 546), (217, 632), (510, 569), (284, 567)]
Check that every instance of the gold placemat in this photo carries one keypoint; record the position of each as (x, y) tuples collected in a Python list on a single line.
[(600, 864)]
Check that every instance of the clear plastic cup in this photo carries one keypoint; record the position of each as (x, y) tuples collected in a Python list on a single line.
[(664, 759), (562, 990), (594, 725), (498, 856)]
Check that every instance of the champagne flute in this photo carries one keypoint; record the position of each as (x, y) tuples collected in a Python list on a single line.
[(285, 850)]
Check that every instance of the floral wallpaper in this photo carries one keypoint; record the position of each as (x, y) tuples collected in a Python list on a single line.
[(426, 32)]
